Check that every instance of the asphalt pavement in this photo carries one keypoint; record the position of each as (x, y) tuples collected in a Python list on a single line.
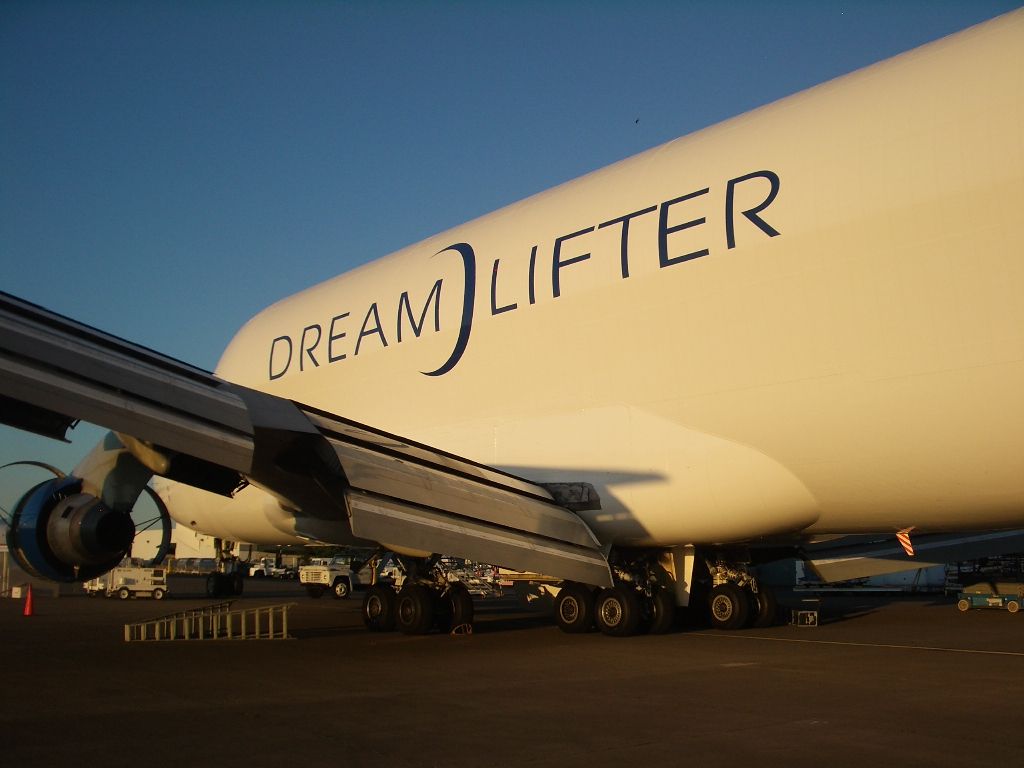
[(883, 680)]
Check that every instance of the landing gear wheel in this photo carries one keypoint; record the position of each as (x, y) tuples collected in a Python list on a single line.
[(414, 614), (574, 608), (729, 607), (766, 607), (462, 606), (617, 611), (663, 611), (123, 593), (379, 608), (342, 589), (217, 585), (454, 608), (315, 590)]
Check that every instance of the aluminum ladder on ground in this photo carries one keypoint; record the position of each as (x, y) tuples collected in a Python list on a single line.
[(214, 622)]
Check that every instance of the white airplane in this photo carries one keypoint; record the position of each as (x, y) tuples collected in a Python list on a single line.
[(801, 323)]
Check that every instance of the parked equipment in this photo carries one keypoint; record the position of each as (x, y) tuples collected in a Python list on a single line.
[(129, 581), (987, 594)]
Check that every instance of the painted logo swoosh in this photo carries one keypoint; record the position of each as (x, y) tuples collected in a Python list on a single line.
[(469, 267)]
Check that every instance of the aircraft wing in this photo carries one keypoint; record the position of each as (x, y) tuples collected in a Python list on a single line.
[(54, 371)]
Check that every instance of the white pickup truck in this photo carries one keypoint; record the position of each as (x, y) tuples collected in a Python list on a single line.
[(265, 568), (335, 575)]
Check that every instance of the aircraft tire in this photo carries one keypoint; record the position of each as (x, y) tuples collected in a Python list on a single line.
[(213, 585), (574, 608), (729, 607), (454, 608), (414, 613), (379, 608), (765, 607), (462, 606), (617, 611), (663, 611)]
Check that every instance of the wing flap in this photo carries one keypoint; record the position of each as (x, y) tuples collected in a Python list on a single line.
[(389, 520), (68, 368), (458, 496), (388, 488)]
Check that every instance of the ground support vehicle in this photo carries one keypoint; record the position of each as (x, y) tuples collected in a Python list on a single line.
[(129, 581), (1008, 595), (336, 575), (265, 568)]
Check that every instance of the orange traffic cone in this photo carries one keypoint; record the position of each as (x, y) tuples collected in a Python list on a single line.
[(28, 602)]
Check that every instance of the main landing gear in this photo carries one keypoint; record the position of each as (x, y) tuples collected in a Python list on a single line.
[(426, 601), (227, 580), (618, 611), (737, 599), (643, 599)]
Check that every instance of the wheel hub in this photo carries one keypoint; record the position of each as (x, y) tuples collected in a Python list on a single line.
[(374, 607), (611, 613), (721, 607), (569, 610)]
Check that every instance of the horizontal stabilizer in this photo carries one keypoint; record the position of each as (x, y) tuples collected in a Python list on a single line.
[(844, 560)]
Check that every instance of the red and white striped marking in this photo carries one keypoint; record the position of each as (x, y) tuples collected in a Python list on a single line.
[(903, 537)]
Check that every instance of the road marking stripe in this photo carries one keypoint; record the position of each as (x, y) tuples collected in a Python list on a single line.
[(859, 645)]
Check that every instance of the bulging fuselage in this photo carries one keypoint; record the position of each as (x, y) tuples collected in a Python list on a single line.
[(804, 320)]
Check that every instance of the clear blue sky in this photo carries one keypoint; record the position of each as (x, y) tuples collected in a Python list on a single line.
[(169, 169)]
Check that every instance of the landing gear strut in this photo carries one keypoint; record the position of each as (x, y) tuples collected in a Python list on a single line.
[(227, 580)]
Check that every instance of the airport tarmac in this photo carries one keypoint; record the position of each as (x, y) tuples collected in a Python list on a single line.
[(884, 680)]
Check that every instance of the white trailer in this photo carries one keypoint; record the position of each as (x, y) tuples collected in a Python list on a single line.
[(129, 581)]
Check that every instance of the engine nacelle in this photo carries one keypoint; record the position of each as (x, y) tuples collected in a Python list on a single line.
[(59, 533)]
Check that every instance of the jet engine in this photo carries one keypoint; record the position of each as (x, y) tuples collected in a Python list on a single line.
[(58, 532)]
